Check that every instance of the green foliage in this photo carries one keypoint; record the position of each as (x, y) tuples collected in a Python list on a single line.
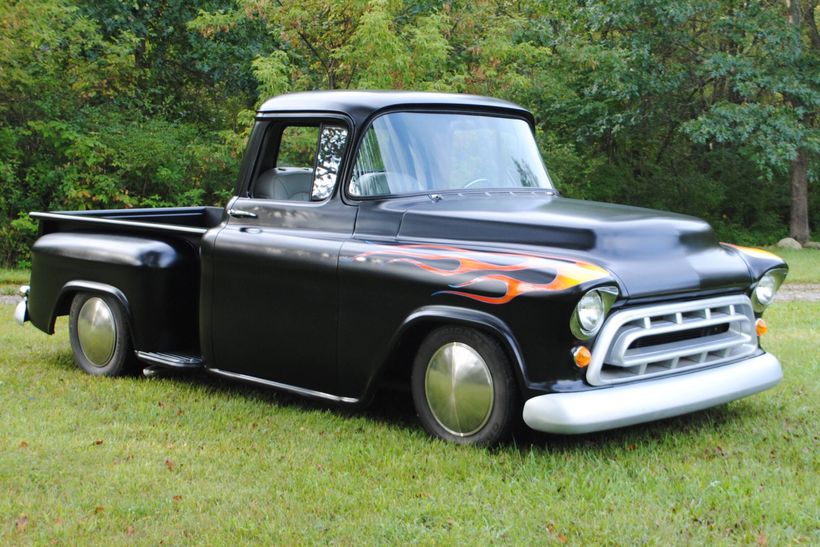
[(377, 48), (15, 241), (696, 106), (106, 104), (272, 73)]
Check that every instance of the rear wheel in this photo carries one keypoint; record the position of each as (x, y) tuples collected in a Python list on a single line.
[(463, 387), (99, 335)]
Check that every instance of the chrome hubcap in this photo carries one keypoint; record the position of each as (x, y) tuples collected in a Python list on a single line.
[(459, 389), (97, 331)]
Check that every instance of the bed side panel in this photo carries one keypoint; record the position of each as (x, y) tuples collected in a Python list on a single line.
[(158, 276)]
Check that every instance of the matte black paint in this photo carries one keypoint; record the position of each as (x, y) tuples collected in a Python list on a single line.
[(158, 279), (275, 294), (361, 106), (682, 252), (286, 297)]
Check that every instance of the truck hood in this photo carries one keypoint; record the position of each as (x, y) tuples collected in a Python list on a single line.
[(648, 252)]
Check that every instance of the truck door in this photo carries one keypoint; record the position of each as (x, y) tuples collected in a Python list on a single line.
[(274, 289)]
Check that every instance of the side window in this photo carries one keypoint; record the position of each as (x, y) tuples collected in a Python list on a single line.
[(297, 146), (300, 163)]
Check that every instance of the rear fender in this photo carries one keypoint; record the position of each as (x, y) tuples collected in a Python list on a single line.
[(156, 279), (72, 288)]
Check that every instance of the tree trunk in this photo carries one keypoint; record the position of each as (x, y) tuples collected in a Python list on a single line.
[(799, 218), (794, 13), (808, 16)]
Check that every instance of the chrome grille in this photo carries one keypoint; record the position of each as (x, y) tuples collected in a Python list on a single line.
[(650, 341)]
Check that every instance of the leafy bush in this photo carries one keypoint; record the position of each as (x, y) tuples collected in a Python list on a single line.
[(694, 106)]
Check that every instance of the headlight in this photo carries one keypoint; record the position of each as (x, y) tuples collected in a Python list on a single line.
[(766, 288), (764, 292), (591, 310)]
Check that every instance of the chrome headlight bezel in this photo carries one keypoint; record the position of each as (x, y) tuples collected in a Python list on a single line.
[(765, 289), (606, 296)]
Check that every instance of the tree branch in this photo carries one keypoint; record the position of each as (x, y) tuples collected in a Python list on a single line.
[(328, 68)]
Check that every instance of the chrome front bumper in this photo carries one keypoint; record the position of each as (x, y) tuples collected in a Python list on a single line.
[(649, 400)]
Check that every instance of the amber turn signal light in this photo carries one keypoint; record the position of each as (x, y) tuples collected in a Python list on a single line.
[(582, 356), (761, 327)]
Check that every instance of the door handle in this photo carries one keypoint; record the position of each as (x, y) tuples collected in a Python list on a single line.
[(239, 213)]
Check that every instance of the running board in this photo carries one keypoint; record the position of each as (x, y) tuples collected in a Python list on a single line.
[(175, 361)]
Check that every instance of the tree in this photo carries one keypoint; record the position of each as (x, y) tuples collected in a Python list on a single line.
[(708, 107), (700, 106), (805, 25)]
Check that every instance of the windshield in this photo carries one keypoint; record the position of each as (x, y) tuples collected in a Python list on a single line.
[(413, 152)]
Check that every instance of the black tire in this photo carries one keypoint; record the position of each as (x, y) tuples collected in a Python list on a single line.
[(504, 415), (120, 361)]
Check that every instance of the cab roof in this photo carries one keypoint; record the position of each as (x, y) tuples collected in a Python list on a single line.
[(361, 105)]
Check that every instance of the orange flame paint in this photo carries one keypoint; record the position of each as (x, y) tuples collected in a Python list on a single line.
[(752, 251), (565, 273)]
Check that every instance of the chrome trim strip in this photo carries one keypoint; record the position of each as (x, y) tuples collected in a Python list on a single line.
[(283, 387), (114, 222), (629, 404)]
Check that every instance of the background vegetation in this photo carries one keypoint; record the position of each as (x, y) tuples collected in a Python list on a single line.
[(707, 107)]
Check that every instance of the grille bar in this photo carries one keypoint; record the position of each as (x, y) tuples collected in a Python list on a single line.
[(664, 339), (676, 350)]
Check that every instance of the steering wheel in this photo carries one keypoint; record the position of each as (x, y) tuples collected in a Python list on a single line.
[(474, 182)]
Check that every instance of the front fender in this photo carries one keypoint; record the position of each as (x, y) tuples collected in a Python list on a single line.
[(426, 318)]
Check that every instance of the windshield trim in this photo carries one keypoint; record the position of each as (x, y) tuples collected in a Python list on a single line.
[(484, 192)]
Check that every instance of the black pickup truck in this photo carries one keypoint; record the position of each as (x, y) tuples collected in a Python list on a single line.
[(415, 238)]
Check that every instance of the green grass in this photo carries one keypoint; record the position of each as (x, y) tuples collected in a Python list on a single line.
[(10, 280), (190, 459), (804, 265)]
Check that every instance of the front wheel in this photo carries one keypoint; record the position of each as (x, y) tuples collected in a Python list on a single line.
[(463, 387), (99, 335)]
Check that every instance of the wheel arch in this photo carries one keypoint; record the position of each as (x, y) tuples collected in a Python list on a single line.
[(75, 287), (419, 323)]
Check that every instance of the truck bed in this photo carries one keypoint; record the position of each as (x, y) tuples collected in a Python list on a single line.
[(146, 258), (193, 221)]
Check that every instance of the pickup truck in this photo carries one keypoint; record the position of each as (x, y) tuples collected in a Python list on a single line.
[(415, 239)]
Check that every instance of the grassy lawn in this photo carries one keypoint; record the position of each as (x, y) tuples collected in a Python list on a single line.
[(10, 280), (804, 265), (191, 459)]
